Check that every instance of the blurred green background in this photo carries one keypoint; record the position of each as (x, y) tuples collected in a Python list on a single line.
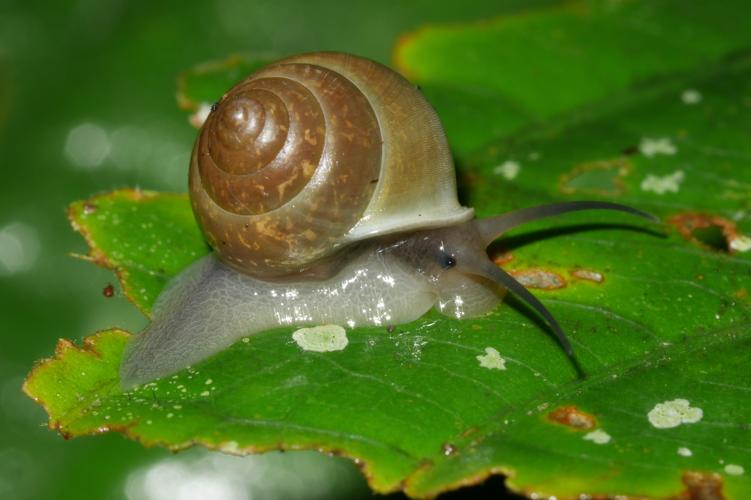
[(87, 104)]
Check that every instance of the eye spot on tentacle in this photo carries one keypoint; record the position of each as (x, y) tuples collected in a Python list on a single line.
[(325, 338), (447, 261)]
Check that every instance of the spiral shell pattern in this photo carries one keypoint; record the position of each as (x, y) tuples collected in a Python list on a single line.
[(312, 153)]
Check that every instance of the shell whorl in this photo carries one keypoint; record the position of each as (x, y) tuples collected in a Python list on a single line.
[(313, 153)]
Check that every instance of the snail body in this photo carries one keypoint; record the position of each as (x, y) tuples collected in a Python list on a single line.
[(382, 283), (326, 188)]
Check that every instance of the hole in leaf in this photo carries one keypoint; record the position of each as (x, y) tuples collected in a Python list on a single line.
[(712, 237), (708, 231)]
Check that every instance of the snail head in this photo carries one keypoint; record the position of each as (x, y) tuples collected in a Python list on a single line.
[(450, 256)]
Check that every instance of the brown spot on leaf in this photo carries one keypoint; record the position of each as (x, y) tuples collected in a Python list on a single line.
[(470, 430), (630, 150), (708, 231), (701, 486), (573, 417), (604, 177), (588, 274), (88, 208), (539, 278), (108, 291), (502, 258)]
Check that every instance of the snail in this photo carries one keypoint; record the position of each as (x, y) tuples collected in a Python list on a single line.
[(325, 186)]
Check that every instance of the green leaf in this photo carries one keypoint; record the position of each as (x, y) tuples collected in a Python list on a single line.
[(146, 238), (495, 77), (430, 406)]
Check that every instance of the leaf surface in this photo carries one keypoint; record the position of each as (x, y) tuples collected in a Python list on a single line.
[(654, 318), (500, 76)]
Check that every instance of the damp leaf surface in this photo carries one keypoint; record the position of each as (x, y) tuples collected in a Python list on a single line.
[(659, 316), (146, 238), (502, 75)]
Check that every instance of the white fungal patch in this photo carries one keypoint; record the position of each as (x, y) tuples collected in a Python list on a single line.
[(508, 169), (598, 436), (684, 452), (491, 360), (740, 243), (323, 338), (674, 413), (734, 469), (661, 185), (691, 96), (653, 147)]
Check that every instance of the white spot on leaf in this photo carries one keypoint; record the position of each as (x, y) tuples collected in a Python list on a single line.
[(508, 169), (684, 452), (491, 360), (661, 185), (598, 436), (740, 243), (734, 469), (652, 147), (323, 338), (674, 413)]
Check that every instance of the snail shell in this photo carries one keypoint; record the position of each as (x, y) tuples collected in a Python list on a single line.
[(314, 153)]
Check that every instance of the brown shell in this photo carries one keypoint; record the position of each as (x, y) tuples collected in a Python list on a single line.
[(313, 153)]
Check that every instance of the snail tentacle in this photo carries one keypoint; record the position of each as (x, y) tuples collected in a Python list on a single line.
[(492, 227)]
